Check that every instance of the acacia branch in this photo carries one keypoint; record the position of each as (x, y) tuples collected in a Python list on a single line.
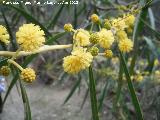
[(42, 49)]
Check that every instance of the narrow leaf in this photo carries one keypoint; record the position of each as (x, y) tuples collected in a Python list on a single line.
[(54, 20), (9, 30), (103, 95), (92, 88), (30, 18), (26, 104), (131, 89), (72, 90), (138, 27)]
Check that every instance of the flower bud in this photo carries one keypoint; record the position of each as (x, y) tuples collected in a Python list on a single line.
[(108, 53), (68, 27), (5, 70), (95, 18), (94, 51), (94, 38)]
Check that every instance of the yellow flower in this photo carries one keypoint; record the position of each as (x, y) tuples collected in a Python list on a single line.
[(30, 37), (139, 78), (118, 24), (68, 27), (5, 70), (108, 53), (121, 35), (129, 20), (28, 75), (106, 38), (125, 45), (77, 61), (157, 72), (95, 18), (157, 76), (81, 37), (156, 62), (4, 37)]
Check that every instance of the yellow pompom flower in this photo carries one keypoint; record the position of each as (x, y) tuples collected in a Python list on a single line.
[(157, 72), (138, 78), (4, 36), (108, 53), (125, 45), (79, 60), (156, 62), (118, 24), (121, 35), (28, 75), (68, 27), (5, 70), (129, 20), (106, 38), (81, 37), (157, 76), (30, 37), (95, 18)]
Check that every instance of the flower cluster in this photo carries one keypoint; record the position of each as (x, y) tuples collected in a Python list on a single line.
[(87, 44), (4, 36), (30, 37)]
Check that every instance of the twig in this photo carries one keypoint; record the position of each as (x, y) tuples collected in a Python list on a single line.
[(44, 48)]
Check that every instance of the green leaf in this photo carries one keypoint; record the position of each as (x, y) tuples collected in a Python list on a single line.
[(151, 45), (85, 98), (13, 82), (30, 18), (75, 17), (131, 89), (137, 30), (151, 57), (3, 46), (54, 20), (29, 59), (156, 33), (3, 62), (9, 30), (92, 88), (55, 37), (151, 17), (119, 88), (72, 90), (123, 105), (28, 115), (103, 95)]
